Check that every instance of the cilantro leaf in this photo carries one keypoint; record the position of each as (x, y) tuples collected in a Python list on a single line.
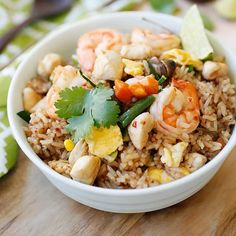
[(102, 99), (167, 6), (80, 126), (71, 102), (87, 108), (108, 116), (102, 93)]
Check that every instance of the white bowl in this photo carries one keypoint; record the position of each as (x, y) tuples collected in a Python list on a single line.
[(63, 41)]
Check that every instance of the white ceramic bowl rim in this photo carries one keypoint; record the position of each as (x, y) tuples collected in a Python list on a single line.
[(93, 189)]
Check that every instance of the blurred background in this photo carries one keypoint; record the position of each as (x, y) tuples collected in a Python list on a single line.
[(218, 16)]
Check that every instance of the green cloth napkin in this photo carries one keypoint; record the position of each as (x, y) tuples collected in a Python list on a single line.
[(12, 12), (8, 146)]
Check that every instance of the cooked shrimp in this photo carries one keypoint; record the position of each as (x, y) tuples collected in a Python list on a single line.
[(91, 44), (212, 70), (62, 77), (136, 51), (176, 109), (158, 42), (108, 66)]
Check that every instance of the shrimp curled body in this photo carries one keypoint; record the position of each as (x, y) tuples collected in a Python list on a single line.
[(176, 109), (158, 42), (91, 44), (62, 77)]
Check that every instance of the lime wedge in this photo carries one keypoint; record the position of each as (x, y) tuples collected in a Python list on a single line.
[(193, 35), (226, 8)]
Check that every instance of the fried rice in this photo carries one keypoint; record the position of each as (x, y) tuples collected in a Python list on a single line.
[(130, 169)]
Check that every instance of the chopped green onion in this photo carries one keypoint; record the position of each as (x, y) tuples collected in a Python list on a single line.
[(190, 68), (152, 154), (208, 58), (162, 80), (87, 79), (151, 157), (153, 71), (24, 115)]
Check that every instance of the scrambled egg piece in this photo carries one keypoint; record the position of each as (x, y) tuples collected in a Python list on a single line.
[(159, 175), (177, 172), (133, 68), (184, 170), (172, 157), (104, 141), (182, 57)]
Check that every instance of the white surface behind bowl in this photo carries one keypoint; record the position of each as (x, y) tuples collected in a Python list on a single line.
[(63, 41)]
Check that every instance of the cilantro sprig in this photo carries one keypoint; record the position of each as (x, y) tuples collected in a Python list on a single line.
[(84, 109), (167, 6)]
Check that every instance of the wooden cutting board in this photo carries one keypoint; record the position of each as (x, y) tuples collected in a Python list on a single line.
[(30, 205)]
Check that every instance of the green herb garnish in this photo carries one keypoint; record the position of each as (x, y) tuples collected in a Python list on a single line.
[(24, 115), (151, 157), (208, 58), (87, 108), (162, 80), (87, 79), (153, 71), (165, 6), (190, 68), (159, 78)]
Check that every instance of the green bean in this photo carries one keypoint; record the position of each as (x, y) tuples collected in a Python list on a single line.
[(126, 118)]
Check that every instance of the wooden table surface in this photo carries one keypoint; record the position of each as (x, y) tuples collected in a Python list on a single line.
[(30, 205)]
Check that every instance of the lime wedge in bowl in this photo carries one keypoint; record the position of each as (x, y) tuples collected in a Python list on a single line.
[(193, 35)]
